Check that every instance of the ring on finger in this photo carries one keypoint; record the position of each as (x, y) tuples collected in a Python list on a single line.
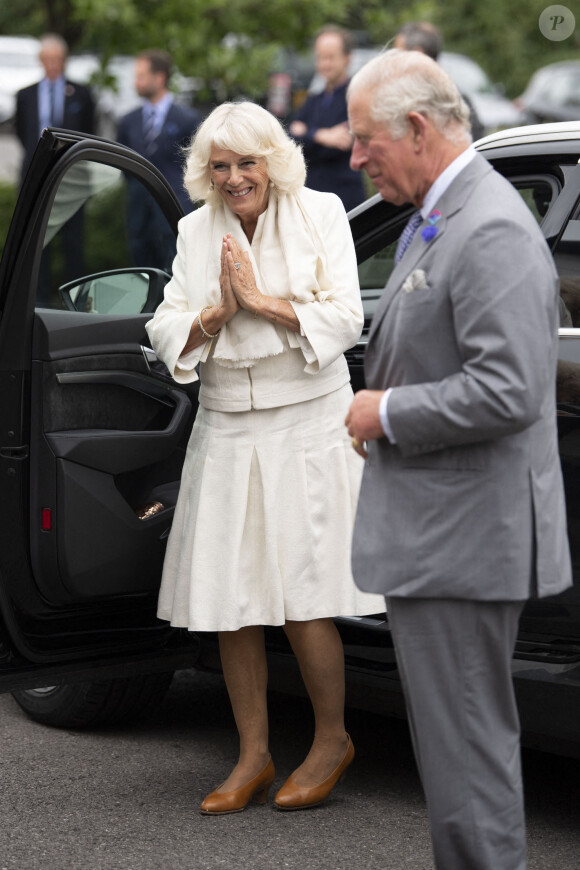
[(238, 265)]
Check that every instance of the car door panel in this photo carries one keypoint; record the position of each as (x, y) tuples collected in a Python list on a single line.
[(93, 432), (100, 427), (112, 439), (119, 445)]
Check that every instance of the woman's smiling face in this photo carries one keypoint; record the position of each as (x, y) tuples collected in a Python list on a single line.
[(242, 181)]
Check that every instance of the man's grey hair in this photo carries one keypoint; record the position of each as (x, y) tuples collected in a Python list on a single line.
[(408, 81), (54, 40)]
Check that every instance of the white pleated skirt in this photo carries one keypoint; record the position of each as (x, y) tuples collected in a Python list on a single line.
[(263, 523)]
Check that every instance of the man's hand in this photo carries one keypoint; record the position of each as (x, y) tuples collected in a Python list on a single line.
[(363, 421), (298, 128), (334, 137)]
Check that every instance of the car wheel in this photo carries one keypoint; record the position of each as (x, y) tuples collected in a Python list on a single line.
[(92, 704)]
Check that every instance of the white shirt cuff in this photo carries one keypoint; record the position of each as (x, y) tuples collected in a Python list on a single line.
[(384, 415)]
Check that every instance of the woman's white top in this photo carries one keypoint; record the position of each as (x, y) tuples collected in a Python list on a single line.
[(302, 251)]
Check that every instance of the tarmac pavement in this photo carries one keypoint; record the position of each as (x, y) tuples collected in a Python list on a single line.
[(128, 799)]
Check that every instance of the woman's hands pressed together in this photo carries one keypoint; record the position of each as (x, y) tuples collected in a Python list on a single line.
[(247, 293), (239, 290), (241, 276), (214, 317), (229, 304)]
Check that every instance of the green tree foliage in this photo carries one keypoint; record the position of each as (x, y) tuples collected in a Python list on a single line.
[(504, 38), (231, 44)]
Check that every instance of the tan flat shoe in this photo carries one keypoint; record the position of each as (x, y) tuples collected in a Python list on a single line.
[(295, 797), (220, 803)]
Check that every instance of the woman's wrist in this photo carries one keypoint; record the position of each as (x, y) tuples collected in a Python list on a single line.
[(210, 320), (256, 305), (278, 311), (204, 327)]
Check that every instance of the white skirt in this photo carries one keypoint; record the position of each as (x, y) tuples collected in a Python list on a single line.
[(263, 523)]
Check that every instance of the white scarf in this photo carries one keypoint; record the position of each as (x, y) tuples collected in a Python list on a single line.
[(293, 265)]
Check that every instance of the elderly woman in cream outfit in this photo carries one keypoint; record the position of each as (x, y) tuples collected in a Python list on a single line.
[(264, 299)]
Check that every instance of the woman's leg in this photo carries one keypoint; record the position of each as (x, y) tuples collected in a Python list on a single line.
[(318, 648), (245, 670)]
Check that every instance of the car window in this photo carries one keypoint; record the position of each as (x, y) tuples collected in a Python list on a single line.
[(567, 259), (374, 272), (105, 243), (538, 194)]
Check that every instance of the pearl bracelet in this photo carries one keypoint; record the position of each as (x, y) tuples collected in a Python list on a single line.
[(200, 324)]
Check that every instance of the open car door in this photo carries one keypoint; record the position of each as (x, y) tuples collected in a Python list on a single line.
[(93, 429)]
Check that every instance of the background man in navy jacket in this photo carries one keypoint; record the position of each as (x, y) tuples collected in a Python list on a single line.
[(159, 129), (321, 123)]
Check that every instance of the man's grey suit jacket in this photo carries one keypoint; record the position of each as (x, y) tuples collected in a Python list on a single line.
[(468, 503)]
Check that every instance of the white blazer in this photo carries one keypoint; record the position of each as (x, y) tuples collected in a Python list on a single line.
[(312, 362)]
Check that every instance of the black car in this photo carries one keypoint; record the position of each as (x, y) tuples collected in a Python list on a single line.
[(94, 432)]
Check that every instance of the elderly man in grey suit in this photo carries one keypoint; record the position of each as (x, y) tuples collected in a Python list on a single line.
[(461, 513)]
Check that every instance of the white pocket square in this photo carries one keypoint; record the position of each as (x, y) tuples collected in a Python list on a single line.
[(417, 280)]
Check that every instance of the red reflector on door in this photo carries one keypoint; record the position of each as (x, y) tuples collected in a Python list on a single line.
[(46, 520)]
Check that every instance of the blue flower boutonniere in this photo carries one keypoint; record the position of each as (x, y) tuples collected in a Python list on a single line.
[(428, 233)]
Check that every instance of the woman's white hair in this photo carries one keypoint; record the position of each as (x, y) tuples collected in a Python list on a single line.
[(246, 129), (408, 81)]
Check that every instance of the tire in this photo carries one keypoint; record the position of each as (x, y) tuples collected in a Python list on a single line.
[(94, 704)]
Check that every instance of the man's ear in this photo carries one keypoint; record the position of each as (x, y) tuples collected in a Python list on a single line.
[(418, 127)]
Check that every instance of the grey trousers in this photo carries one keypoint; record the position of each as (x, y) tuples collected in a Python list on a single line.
[(454, 661)]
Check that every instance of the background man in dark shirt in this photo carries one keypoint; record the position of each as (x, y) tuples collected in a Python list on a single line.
[(321, 123)]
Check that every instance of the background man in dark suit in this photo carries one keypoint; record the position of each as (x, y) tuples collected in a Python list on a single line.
[(158, 130), (461, 513), (55, 102), (321, 123)]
